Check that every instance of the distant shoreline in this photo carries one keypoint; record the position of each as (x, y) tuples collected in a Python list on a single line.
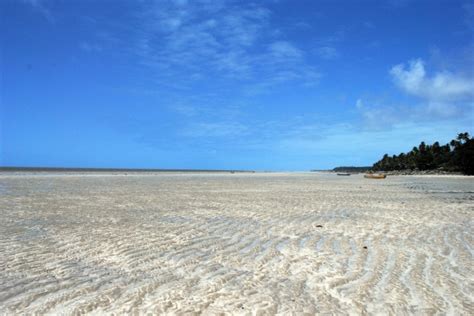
[(403, 172), (61, 169), (407, 172)]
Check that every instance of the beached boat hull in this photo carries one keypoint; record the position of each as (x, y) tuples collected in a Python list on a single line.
[(375, 176)]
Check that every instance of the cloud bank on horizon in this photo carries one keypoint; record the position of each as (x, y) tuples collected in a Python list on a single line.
[(279, 85)]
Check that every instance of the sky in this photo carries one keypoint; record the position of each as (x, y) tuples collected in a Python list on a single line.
[(210, 84)]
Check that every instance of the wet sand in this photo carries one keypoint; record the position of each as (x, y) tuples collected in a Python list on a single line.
[(236, 243)]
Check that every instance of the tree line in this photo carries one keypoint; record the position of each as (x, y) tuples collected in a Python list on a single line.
[(456, 156), (351, 169)]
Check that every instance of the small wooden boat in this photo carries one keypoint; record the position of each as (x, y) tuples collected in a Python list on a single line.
[(343, 174), (375, 176)]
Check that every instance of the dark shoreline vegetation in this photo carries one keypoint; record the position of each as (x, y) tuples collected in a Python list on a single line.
[(455, 157), (351, 169), (59, 169)]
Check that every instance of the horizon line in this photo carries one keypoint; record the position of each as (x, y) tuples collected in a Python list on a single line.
[(99, 169)]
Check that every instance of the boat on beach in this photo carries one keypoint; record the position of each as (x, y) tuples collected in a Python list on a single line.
[(343, 174), (375, 176)]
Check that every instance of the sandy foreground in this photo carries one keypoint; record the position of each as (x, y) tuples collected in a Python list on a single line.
[(236, 243)]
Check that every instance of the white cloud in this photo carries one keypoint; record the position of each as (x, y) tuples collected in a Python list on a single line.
[(442, 97), (444, 94), (441, 87)]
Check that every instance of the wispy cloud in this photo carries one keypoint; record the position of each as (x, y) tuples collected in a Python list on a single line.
[(283, 50), (197, 40), (227, 129), (90, 47), (327, 46), (185, 43), (377, 116), (368, 24), (200, 35), (397, 3), (469, 15), (367, 145), (186, 110), (328, 52), (39, 6)]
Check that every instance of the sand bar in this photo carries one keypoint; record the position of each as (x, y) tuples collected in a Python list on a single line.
[(236, 243)]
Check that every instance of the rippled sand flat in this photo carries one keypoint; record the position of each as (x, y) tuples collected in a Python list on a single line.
[(236, 243)]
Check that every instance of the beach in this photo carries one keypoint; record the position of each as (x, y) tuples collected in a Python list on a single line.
[(262, 243)]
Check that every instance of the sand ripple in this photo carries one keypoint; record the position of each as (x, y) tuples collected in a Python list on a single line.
[(251, 243)]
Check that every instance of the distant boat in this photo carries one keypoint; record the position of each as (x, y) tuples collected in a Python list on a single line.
[(343, 174), (375, 176)]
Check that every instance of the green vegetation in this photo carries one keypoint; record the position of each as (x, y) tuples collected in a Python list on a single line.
[(458, 155), (351, 169)]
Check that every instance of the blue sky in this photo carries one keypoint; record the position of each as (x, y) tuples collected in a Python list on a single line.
[(265, 85)]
